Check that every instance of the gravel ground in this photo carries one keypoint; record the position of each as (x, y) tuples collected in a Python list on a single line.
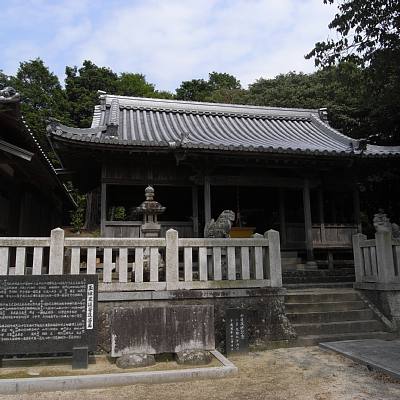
[(294, 373)]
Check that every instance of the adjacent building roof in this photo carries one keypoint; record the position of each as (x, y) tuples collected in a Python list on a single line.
[(17, 140), (132, 121)]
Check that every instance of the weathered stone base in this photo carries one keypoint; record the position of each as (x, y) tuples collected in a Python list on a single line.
[(265, 306), (193, 357), (135, 360), (385, 297)]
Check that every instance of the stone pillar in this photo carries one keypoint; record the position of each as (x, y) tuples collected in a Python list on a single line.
[(384, 255), (56, 260), (274, 258), (171, 258), (358, 257), (308, 224)]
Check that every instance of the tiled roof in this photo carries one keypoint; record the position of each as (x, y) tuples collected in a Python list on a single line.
[(131, 121)]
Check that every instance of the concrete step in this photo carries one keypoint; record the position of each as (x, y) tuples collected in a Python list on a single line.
[(321, 296), (332, 316), (325, 306), (327, 328), (312, 340)]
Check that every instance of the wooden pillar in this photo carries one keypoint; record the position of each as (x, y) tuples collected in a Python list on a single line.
[(321, 214), (195, 211), (103, 208), (356, 206), (207, 200), (308, 222), (282, 216)]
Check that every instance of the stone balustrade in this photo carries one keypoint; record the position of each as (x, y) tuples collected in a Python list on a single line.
[(137, 264), (377, 261)]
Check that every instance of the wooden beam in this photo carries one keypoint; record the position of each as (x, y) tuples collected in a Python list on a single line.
[(262, 181), (15, 150)]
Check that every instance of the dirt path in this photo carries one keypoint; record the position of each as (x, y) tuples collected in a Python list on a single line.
[(294, 374)]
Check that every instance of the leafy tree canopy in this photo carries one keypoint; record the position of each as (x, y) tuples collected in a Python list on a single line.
[(81, 86), (369, 35), (364, 28), (339, 88), (41, 96), (218, 87)]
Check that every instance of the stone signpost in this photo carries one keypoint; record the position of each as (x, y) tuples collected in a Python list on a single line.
[(49, 314), (237, 340)]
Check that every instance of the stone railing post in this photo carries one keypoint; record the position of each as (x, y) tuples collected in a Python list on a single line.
[(384, 255), (274, 255), (358, 257), (171, 257), (56, 260)]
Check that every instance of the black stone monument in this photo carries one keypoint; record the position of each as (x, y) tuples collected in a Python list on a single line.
[(49, 314)]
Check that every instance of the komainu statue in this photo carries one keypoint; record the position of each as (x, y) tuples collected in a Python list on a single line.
[(382, 224), (220, 228)]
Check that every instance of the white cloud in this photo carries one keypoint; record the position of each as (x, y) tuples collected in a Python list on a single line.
[(177, 40)]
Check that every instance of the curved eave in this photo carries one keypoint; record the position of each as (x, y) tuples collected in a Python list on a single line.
[(131, 145)]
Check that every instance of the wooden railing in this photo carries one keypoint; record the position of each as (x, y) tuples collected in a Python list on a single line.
[(129, 264), (131, 229), (377, 260), (324, 235)]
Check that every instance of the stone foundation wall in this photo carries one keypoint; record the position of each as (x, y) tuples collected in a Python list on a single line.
[(387, 302), (267, 321)]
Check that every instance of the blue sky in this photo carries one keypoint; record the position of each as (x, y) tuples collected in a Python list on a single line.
[(167, 40)]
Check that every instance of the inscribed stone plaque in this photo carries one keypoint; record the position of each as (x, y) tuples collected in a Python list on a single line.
[(169, 329), (237, 340), (47, 313)]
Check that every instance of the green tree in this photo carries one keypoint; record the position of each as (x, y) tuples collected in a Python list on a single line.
[(129, 84), (194, 90), (41, 96), (368, 33), (221, 80), (219, 87), (81, 86), (339, 88), (4, 79), (364, 29)]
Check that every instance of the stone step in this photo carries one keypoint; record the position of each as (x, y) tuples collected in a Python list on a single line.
[(312, 340), (327, 328), (332, 316), (287, 280), (325, 306), (289, 254), (321, 297), (340, 285), (290, 261)]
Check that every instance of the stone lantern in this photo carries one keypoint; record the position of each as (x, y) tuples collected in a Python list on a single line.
[(150, 210)]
